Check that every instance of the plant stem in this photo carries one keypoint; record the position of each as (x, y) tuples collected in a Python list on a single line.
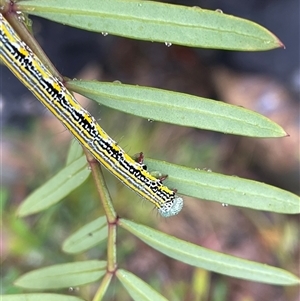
[(12, 14), (112, 224), (103, 287)]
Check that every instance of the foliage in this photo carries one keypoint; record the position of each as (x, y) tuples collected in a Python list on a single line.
[(172, 24)]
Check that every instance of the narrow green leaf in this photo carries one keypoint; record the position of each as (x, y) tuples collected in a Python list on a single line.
[(154, 21), (75, 152), (87, 236), (39, 297), (56, 188), (137, 288), (207, 259), (178, 108), (230, 190), (63, 275)]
